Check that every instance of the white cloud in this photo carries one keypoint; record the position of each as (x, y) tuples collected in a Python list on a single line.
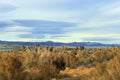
[(115, 11), (10, 33), (112, 9), (92, 18), (98, 23), (17, 29)]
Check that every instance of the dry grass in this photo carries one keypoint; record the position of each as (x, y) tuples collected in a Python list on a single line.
[(107, 71), (77, 72), (61, 64)]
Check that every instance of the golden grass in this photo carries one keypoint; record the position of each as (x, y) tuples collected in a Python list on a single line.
[(77, 72), (87, 64)]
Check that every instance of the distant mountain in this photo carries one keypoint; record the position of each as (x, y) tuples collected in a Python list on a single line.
[(50, 43)]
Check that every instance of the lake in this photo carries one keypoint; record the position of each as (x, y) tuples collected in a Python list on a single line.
[(9, 49)]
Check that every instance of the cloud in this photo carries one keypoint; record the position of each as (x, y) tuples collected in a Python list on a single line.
[(36, 29), (111, 9), (100, 39), (61, 37), (17, 28), (44, 23), (33, 36), (5, 24), (57, 31), (6, 8), (113, 12), (59, 20), (2, 24), (46, 27)]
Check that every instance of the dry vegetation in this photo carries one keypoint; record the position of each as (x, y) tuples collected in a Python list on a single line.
[(48, 63)]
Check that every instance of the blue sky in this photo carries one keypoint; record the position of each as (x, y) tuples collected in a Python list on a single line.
[(60, 20)]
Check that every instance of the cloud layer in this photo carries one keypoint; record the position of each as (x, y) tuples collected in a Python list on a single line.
[(60, 20)]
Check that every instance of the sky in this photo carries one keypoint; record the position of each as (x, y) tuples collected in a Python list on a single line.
[(60, 20)]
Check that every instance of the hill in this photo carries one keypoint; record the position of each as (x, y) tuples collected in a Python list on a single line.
[(51, 43)]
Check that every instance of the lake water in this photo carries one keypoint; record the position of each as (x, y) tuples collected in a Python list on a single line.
[(6, 49), (9, 49)]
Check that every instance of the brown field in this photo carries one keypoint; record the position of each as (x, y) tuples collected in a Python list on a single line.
[(48, 63)]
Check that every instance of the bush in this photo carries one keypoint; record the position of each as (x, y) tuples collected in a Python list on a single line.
[(10, 68)]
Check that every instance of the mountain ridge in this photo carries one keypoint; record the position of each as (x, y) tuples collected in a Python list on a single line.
[(51, 43)]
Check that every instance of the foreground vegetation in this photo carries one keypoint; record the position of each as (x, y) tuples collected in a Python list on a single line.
[(48, 63)]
